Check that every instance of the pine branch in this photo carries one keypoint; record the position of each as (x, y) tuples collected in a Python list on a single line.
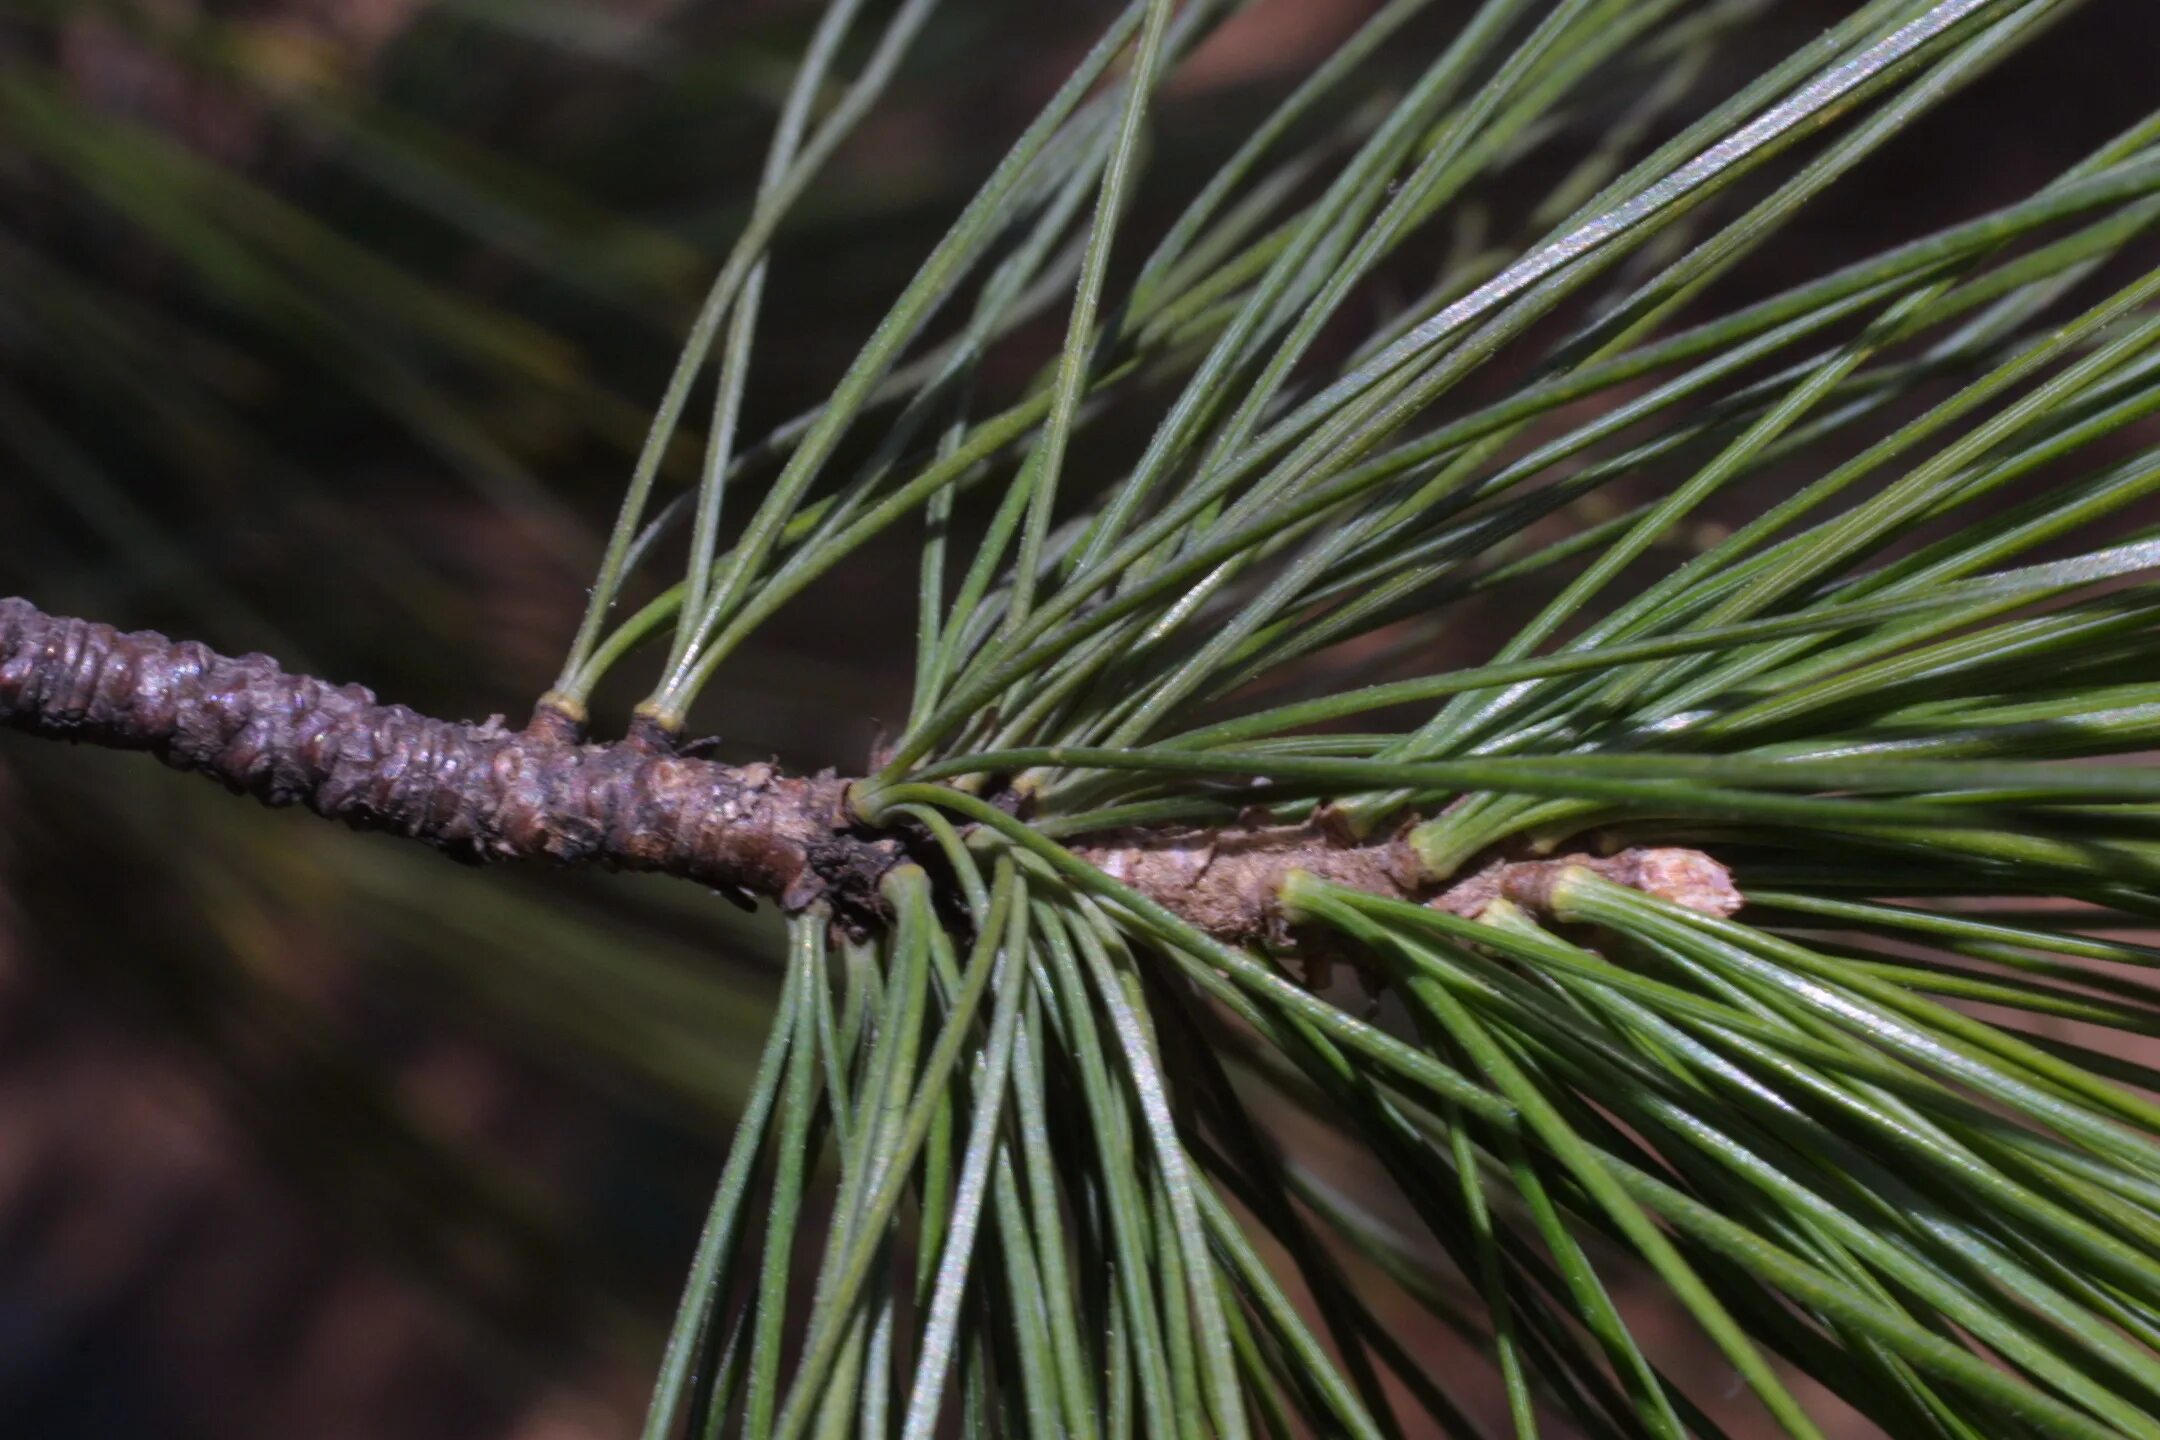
[(478, 793), (481, 793)]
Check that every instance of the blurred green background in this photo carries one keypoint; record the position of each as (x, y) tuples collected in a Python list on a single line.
[(328, 327)]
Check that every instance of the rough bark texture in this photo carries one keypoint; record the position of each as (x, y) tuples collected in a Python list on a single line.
[(479, 793), (1226, 881), (483, 793)]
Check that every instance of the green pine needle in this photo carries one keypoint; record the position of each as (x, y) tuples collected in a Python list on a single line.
[(1867, 1132)]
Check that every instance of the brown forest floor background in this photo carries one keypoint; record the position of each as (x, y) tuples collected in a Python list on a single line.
[(303, 1136)]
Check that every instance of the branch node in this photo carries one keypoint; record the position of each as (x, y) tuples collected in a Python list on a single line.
[(557, 719), (1685, 877)]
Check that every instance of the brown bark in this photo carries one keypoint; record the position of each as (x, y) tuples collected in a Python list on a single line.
[(483, 793), (1670, 872), (479, 793), (1226, 880)]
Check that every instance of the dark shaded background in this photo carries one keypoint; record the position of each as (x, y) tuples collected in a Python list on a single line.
[(328, 327)]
